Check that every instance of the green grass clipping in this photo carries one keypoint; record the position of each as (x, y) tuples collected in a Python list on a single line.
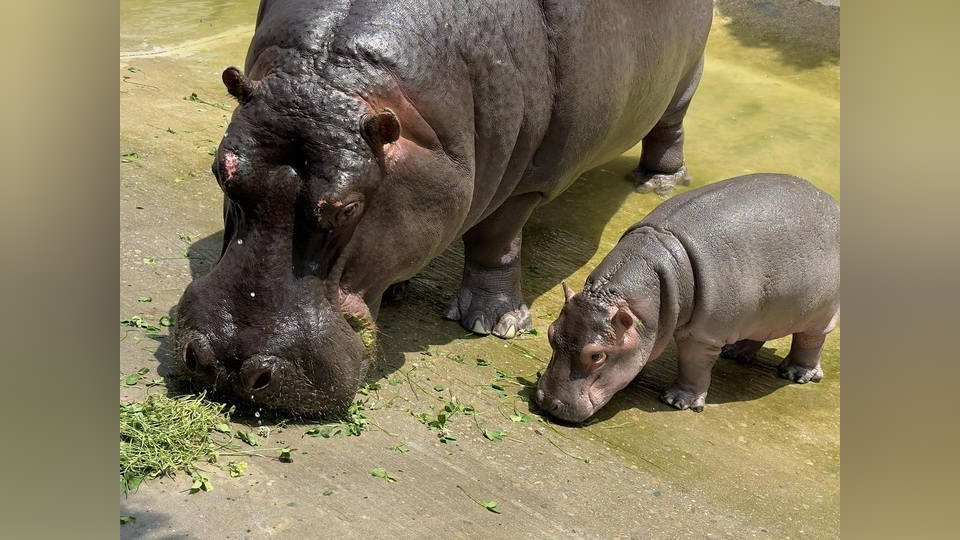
[(161, 435)]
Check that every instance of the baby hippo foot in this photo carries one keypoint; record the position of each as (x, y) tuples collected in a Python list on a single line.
[(646, 181), (484, 307), (682, 399), (800, 374)]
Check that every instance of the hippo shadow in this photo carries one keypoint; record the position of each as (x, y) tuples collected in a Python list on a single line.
[(731, 381)]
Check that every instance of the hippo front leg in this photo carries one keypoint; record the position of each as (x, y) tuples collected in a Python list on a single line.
[(490, 299), (696, 360)]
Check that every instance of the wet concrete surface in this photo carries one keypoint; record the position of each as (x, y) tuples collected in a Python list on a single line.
[(763, 459)]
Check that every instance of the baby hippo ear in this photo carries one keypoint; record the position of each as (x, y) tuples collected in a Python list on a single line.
[(237, 85), (380, 128), (567, 292), (621, 322)]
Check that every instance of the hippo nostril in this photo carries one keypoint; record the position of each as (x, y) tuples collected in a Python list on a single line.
[(192, 357), (539, 396), (260, 379)]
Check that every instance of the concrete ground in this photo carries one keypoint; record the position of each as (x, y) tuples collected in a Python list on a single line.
[(763, 459)]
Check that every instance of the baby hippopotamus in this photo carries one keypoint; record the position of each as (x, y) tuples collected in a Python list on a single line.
[(721, 269)]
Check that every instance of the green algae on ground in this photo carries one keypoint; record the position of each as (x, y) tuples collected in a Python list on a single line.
[(160, 436)]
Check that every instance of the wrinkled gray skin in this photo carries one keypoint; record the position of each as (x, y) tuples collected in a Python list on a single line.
[(721, 270), (371, 135)]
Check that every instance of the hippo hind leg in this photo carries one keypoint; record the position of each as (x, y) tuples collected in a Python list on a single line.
[(490, 299), (744, 351), (661, 159), (802, 364)]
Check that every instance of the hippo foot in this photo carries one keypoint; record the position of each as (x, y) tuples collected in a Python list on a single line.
[(659, 183), (800, 374), (396, 292), (485, 313), (682, 399)]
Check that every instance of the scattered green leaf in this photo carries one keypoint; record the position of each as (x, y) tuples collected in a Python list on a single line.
[(137, 321), (401, 448), (185, 237), (456, 358), (237, 468), (491, 506), (438, 387), (483, 362), (222, 427), (144, 298), (165, 320), (200, 483), (130, 158), (395, 379), (327, 492), (285, 455), (149, 260), (495, 435), (382, 473), (520, 417), (134, 378), (155, 382), (248, 438), (132, 69), (127, 519)]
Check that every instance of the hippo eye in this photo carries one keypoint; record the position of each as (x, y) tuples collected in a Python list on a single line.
[(598, 356)]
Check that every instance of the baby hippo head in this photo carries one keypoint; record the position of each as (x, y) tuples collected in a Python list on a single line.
[(596, 352)]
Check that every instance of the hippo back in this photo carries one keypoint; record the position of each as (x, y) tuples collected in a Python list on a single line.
[(764, 247)]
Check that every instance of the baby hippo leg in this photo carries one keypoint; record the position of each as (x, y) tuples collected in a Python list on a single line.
[(744, 351), (802, 365), (696, 360)]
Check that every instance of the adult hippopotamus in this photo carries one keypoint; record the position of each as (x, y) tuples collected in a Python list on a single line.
[(721, 270), (372, 134)]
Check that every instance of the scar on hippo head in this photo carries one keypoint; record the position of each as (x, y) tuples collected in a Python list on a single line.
[(239, 86)]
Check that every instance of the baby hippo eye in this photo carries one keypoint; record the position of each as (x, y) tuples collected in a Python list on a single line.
[(597, 356)]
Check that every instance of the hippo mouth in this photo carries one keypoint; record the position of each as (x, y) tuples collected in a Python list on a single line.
[(357, 314)]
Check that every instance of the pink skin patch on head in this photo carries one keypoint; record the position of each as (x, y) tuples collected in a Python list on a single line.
[(230, 164)]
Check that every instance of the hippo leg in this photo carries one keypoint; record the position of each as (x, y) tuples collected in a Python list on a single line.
[(489, 299), (744, 351), (696, 360), (661, 160), (802, 365)]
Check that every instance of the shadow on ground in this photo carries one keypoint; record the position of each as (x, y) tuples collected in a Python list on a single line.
[(806, 34)]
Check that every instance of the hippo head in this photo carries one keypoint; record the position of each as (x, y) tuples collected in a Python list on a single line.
[(596, 352), (275, 320)]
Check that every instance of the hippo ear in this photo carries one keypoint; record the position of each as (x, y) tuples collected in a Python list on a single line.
[(567, 292), (380, 128), (237, 85), (621, 322)]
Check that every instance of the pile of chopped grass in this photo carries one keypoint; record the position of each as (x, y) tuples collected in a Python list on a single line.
[(161, 435)]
